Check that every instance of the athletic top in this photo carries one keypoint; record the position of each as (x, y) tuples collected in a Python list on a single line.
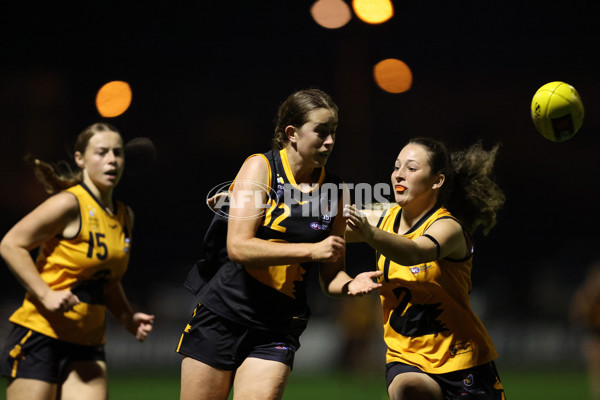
[(274, 298), (98, 254), (428, 321)]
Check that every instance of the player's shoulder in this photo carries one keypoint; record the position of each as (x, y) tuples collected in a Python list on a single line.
[(61, 206), (64, 200), (255, 168), (446, 223), (257, 161)]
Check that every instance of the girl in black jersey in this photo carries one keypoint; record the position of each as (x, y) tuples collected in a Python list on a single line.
[(246, 328)]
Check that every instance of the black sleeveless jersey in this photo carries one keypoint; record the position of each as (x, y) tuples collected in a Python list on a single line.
[(274, 298)]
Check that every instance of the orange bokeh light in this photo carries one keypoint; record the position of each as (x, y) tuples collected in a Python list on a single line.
[(331, 14), (113, 98), (373, 11), (393, 75)]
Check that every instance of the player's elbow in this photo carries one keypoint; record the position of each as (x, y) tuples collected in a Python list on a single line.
[(235, 251), (6, 246)]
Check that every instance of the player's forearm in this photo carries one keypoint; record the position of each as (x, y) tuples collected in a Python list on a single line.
[(397, 248), (117, 303), (258, 253), (352, 236), (338, 286)]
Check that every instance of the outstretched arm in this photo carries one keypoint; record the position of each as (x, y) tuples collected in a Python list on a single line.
[(445, 238)]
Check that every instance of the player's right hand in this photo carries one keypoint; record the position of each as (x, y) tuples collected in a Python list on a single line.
[(329, 250), (59, 301)]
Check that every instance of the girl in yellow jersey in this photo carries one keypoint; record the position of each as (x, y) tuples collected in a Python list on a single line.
[(56, 347), (437, 348)]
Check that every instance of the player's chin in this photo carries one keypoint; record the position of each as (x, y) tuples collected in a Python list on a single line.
[(113, 179), (321, 160), (108, 182)]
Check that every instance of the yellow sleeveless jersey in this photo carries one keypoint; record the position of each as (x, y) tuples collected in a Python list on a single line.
[(428, 321), (98, 254)]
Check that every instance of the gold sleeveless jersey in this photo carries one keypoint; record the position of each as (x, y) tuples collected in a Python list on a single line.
[(428, 321), (98, 254)]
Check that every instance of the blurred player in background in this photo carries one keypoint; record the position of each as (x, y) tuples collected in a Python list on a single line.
[(585, 311), (56, 347), (245, 330), (437, 348)]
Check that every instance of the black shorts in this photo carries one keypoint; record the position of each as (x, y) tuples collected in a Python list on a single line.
[(31, 355), (223, 344), (477, 383)]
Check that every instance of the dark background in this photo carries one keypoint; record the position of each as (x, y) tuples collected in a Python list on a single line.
[(208, 76)]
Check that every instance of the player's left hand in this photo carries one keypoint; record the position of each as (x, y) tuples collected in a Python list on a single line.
[(363, 283), (140, 325)]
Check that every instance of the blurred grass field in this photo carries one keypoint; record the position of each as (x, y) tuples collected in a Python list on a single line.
[(519, 385)]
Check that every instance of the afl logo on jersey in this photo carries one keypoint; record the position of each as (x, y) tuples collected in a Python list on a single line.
[(316, 226), (420, 268), (320, 225)]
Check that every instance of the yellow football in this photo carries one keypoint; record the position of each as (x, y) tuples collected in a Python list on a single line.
[(557, 111)]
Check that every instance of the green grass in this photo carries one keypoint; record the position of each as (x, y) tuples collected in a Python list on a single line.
[(519, 385), (546, 385)]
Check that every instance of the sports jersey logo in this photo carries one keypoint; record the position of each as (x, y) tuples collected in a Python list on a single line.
[(461, 348), (468, 381), (317, 227), (93, 220), (280, 187), (327, 210), (420, 268), (220, 202)]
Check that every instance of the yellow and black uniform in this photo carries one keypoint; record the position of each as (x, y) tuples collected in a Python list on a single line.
[(269, 299), (98, 254), (428, 321)]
